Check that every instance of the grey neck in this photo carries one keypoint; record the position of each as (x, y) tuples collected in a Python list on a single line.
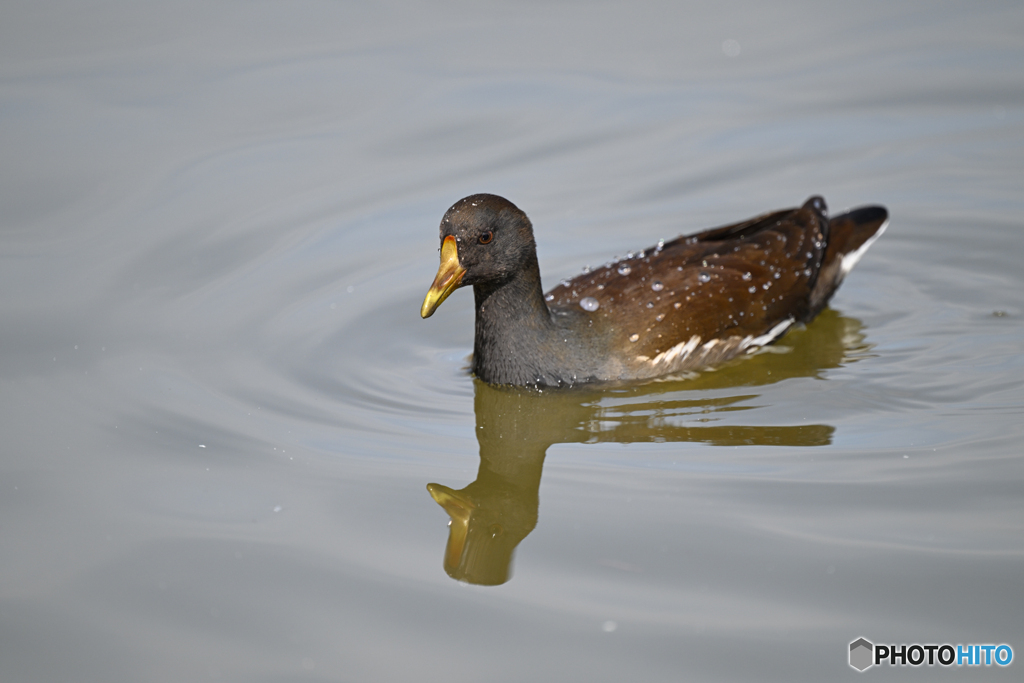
[(513, 327)]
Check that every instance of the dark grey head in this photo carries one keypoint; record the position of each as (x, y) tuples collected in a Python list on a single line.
[(485, 240), (494, 239)]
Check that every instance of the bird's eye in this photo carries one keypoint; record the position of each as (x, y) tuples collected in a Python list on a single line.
[(486, 237)]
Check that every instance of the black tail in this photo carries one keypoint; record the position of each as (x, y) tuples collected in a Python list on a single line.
[(850, 235)]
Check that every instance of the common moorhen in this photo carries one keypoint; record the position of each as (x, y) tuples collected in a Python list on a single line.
[(681, 305)]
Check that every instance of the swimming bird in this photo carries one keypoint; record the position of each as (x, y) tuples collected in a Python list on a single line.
[(678, 306)]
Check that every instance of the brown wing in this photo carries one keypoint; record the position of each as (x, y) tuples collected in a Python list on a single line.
[(739, 281)]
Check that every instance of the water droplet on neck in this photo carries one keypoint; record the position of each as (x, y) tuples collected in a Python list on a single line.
[(589, 303), (747, 275), (657, 286), (634, 337), (624, 269), (704, 277), (752, 289)]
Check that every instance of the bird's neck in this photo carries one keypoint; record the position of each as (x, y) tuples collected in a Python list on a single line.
[(512, 323)]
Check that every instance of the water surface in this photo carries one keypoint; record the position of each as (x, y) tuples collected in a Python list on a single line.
[(221, 410)]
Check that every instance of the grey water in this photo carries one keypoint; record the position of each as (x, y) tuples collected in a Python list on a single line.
[(220, 410)]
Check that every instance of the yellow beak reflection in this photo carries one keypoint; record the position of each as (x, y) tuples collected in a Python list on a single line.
[(449, 275), (459, 509)]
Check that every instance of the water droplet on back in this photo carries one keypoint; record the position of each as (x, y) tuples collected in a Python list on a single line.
[(634, 337), (657, 286), (549, 297), (746, 276), (752, 289), (704, 277), (624, 269), (589, 303)]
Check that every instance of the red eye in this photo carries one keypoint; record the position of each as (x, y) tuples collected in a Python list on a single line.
[(486, 237)]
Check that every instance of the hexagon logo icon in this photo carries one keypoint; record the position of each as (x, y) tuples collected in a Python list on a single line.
[(861, 654)]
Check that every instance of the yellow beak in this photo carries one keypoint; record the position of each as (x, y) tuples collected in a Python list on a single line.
[(449, 276)]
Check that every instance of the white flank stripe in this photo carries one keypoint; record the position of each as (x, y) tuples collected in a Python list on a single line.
[(680, 350), (768, 336)]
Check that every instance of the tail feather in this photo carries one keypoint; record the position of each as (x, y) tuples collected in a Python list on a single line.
[(850, 235)]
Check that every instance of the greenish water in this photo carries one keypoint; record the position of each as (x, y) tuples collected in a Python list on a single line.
[(221, 410)]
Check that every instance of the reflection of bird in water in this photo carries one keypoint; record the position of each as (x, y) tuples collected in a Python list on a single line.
[(683, 305), (515, 427), (490, 517)]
